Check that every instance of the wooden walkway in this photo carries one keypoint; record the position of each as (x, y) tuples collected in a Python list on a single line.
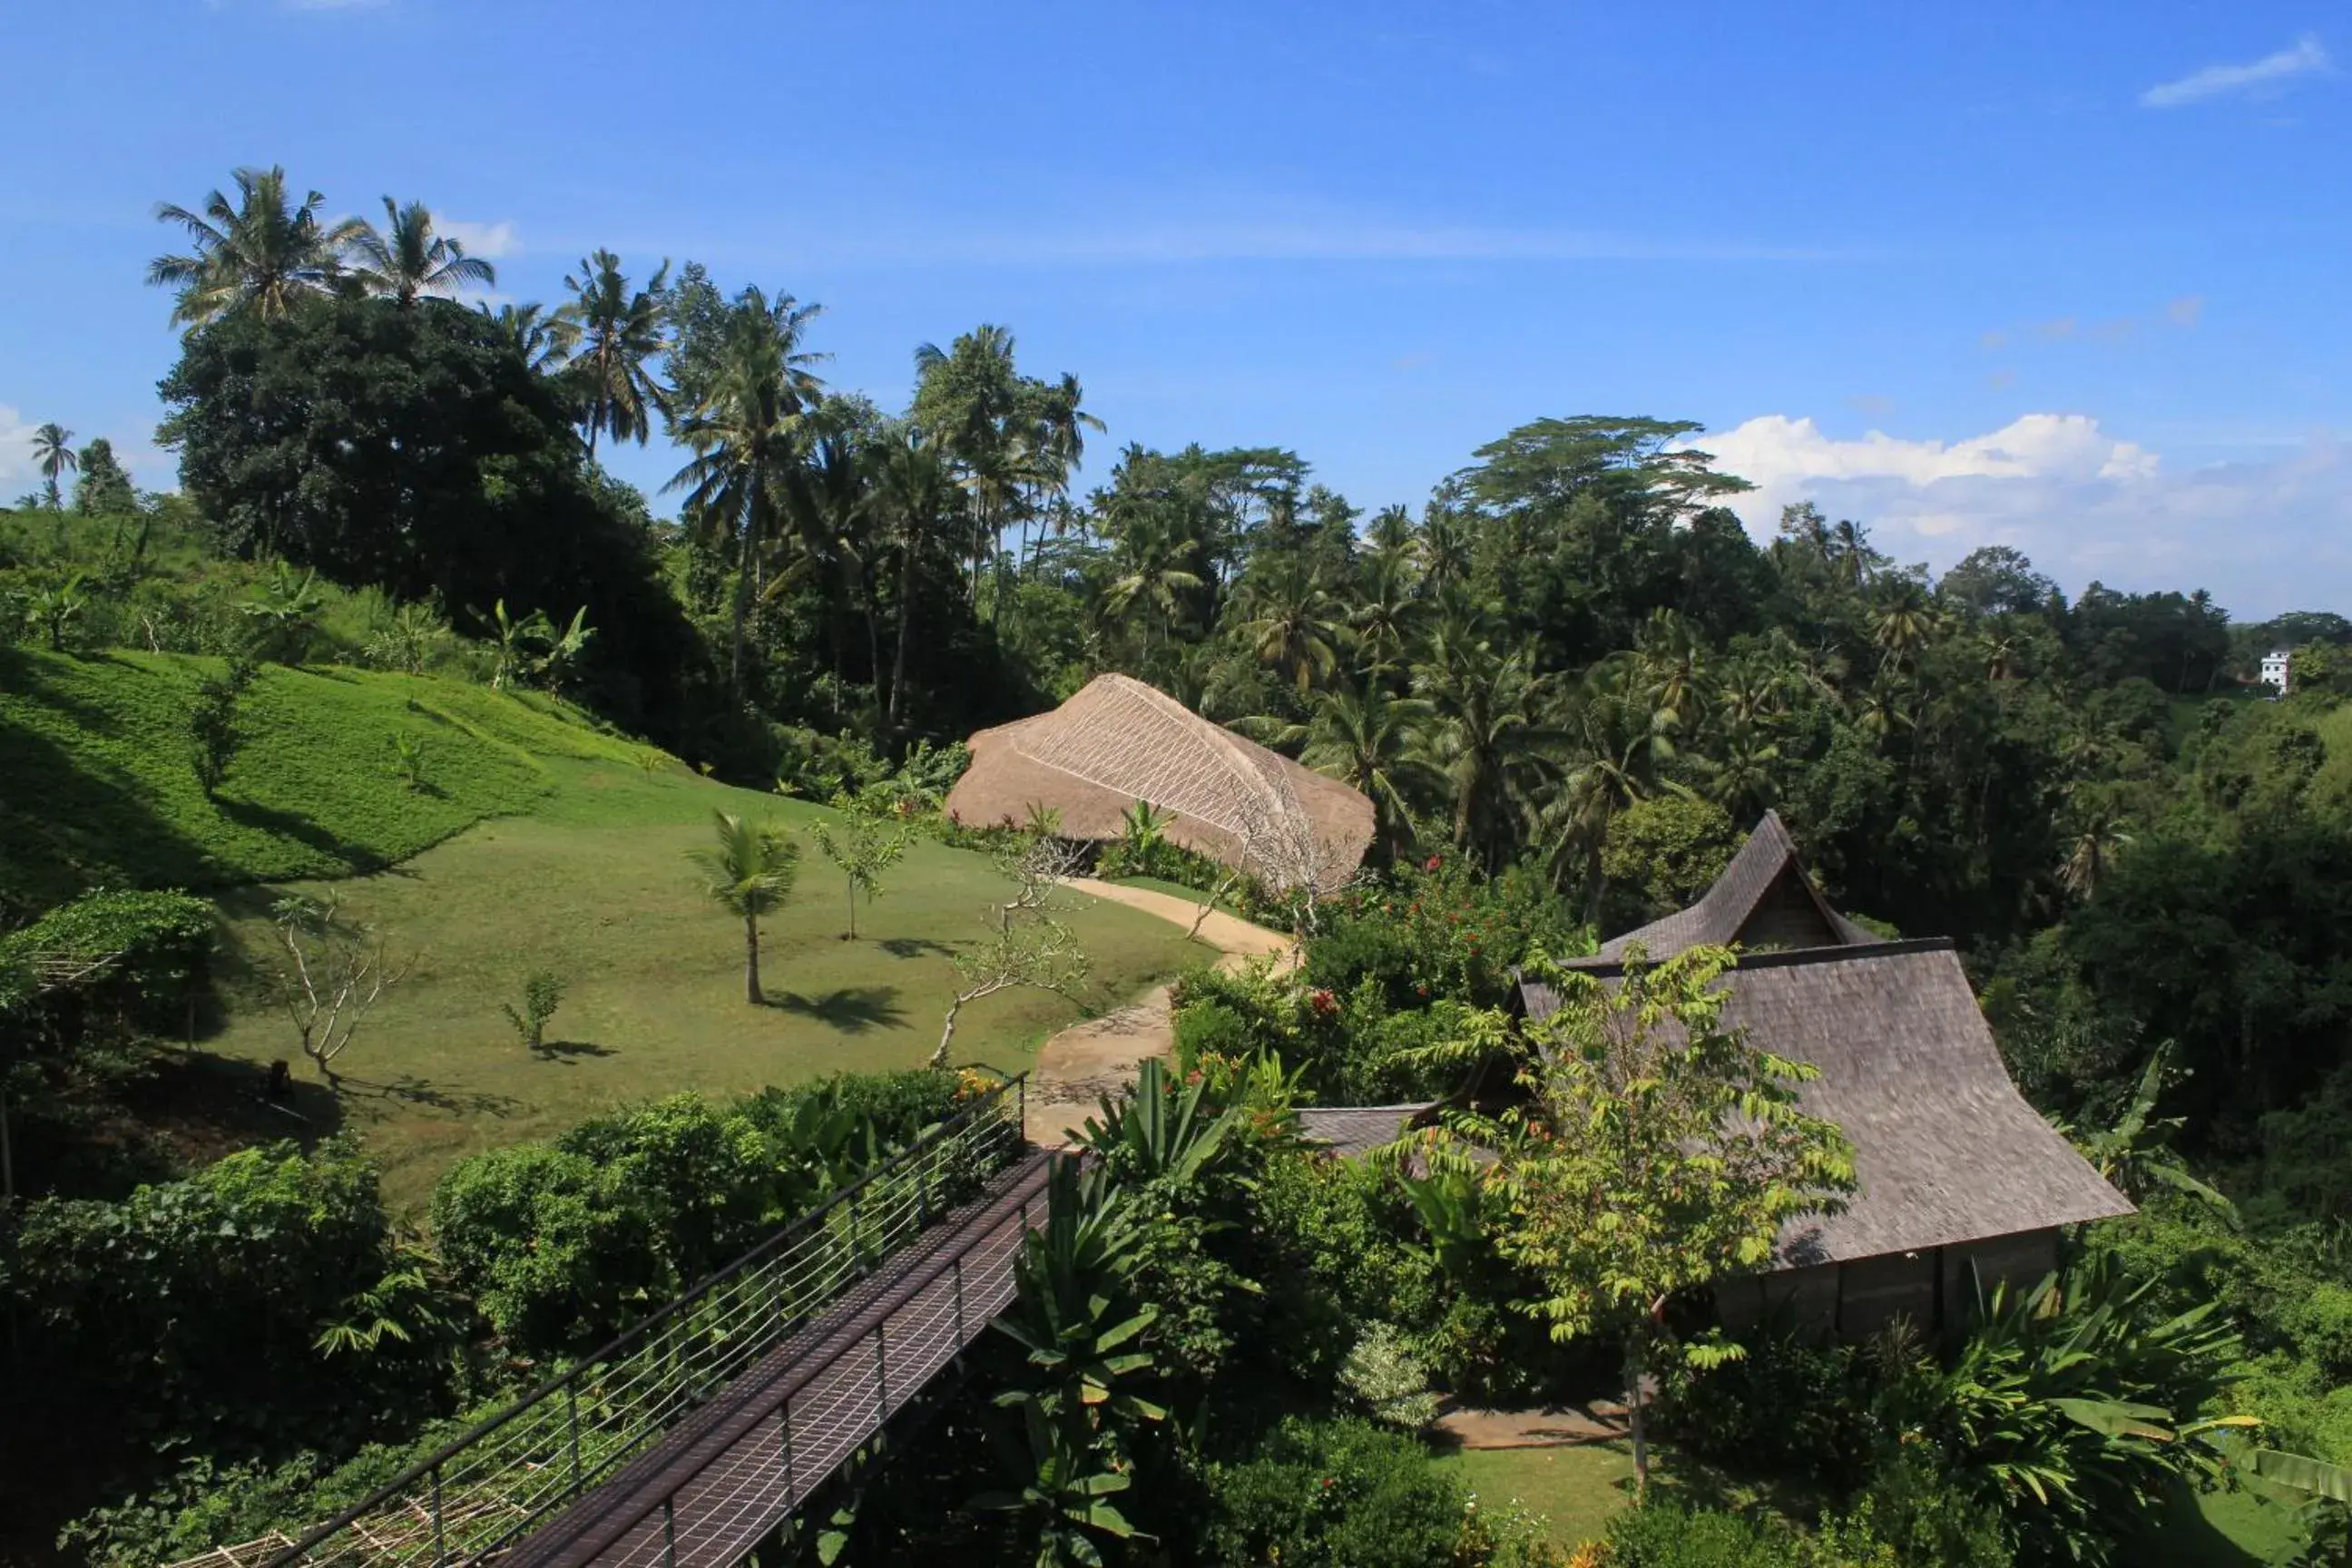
[(716, 1484)]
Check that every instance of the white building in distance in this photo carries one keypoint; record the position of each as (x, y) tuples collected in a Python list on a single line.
[(2275, 665)]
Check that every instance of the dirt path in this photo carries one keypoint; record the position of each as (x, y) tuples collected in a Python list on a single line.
[(1086, 1061)]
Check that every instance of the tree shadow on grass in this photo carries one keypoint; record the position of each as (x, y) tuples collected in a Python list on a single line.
[(918, 947), (569, 1050), (851, 1009), (354, 858), (410, 1089)]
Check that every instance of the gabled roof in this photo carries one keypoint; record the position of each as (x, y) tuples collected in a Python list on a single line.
[(1117, 742), (1946, 1150), (1767, 866)]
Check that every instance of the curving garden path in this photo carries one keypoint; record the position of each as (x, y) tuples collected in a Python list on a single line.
[(1086, 1061)]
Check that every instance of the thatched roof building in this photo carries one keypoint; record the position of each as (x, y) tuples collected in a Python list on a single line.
[(1953, 1166), (1118, 741)]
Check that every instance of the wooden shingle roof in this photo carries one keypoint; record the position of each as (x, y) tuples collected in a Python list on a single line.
[(1349, 1131), (1764, 895), (1946, 1150)]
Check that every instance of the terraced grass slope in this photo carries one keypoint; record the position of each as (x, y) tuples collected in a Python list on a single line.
[(97, 783), (540, 842)]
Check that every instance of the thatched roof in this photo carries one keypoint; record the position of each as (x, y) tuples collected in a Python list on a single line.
[(1946, 1150), (1764, 898), (1118, 741), (1349, 1131)]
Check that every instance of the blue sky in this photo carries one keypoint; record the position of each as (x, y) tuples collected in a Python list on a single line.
[(2077, 278)]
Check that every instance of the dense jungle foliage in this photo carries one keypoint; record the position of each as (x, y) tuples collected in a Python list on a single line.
[(1568, 681)]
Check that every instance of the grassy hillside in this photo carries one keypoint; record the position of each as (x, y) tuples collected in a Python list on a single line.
[(99, 785), (575, 862)]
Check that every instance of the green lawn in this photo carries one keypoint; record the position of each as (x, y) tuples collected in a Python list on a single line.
[(539, 843), (597, 887), (1575, 1487)]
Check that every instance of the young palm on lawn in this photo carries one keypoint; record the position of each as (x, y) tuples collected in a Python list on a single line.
[(749, 872)]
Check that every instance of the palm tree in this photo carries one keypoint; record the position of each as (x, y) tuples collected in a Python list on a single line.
[(915, 496), (749, 872), (1151, 564), (746, 434), (1291, 622), (406, 258), (1373, 742), (2098, 836), (1902, 620), (259, 252), (1387, 610), (620, 333), (542, 339), (53, 454), (1489, 734)]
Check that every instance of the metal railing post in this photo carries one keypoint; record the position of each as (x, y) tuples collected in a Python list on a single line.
[(881, 1377), (572, 1408), (784, 1415), (669, 1531), (956, 1267), (857, 1231), (440, 1542)]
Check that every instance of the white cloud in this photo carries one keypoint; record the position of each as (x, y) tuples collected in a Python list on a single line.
[(2083, 503), (2263, 76), (16, 449), (491, 241)]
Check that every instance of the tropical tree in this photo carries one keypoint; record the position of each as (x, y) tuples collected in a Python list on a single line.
[(2099, 831), (749, 872), (104, 488), (916, 496), (53, 454), (1152, 572), (406, 257), (1290, 622), (1656, 1151), (542, 339), (262, 252), (863, 848), (620, 332), (747, 437), (1374, 743)]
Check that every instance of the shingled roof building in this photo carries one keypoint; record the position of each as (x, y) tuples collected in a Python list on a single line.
[(1118, 741), (1953, 1166)]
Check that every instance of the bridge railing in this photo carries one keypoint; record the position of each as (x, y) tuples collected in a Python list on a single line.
[(481, 1492)]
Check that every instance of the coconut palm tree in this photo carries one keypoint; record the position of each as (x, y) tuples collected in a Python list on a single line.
[(749, 872), (620, 332), (917, 501), (747, 435), (53, 454), (1373, 742), (1290, 621), (2099, 834), (542, 339), (1489, 734), (1151, 563), (261, 252), (406, 258)]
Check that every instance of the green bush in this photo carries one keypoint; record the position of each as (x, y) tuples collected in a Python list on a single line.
[(1666, 1534), (564, 1246), (1335, 1494), (191, 1311), (161, 947)]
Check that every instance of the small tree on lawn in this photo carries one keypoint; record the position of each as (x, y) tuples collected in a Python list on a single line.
[(337, 972), (1025, 947), (863, 848), (749, 872), (1658, 1152)]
